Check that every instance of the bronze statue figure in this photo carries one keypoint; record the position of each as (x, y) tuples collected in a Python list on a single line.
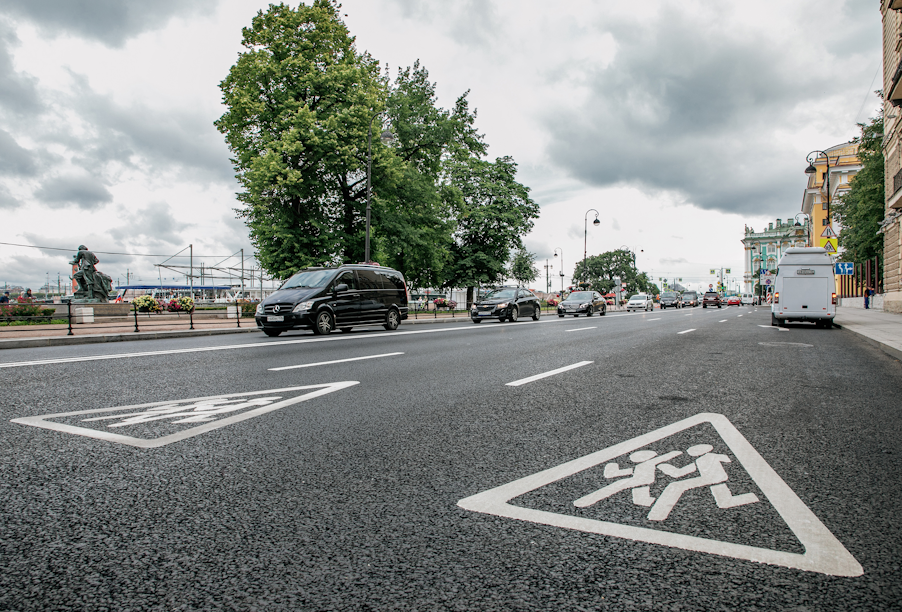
[(93, 285)]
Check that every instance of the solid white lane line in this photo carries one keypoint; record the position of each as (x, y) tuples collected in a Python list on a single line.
[(580, 329), (685, 331), (313, 365), (658, 319), (530, 379)]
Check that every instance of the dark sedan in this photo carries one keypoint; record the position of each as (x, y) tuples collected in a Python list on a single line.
[(506, 304), (582, 302)]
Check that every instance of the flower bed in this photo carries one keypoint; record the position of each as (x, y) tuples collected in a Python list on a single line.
[(145, 303), (444, 303)]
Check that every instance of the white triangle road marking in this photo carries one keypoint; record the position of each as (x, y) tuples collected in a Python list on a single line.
[(823, 552), (194, 411)]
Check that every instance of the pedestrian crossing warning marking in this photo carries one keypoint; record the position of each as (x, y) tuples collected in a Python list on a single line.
[(828, 246), (823, 552), (828, 232), (167, 419)]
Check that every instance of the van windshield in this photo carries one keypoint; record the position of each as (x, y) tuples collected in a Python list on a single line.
[(309, 279)]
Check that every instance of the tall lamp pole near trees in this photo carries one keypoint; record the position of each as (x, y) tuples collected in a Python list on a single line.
[(562, 270), (586, 228), (387, 138), (812, 170)]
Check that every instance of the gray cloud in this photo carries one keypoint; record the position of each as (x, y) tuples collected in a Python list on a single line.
[(82, 191), (15, 160), (180, 140), (111, 22), (17, 90), (153, 226), (6, 198), (692, 108)]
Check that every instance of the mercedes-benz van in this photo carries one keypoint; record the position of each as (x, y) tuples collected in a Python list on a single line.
[(323, 299), (805, 288)]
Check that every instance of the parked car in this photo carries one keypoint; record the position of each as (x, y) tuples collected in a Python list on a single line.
[(690, 298), (712, 299), (640, 301), (582, 302), (805, 288), (734, 300), (323, 299), (671, 299), (506, 304)]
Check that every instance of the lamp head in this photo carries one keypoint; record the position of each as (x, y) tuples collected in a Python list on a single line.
[(810, 169), (387, 137), (596, 222)]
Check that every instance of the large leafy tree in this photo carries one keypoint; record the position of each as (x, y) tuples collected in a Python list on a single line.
[(300, 101), (861, 209), (493, 213), (599, 271)]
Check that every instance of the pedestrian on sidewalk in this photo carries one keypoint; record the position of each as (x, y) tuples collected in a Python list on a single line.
[(868, 292), (4, 299)]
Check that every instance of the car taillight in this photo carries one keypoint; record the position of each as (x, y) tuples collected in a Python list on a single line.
[(834, 299), (777, 297)]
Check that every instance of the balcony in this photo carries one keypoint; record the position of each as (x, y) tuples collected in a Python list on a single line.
[(894, 96)]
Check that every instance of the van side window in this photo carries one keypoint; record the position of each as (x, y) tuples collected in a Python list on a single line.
[(390, 280), (368, 280), (347, 278)]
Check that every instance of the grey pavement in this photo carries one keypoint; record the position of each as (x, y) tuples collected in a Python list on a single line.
[(882, 329)]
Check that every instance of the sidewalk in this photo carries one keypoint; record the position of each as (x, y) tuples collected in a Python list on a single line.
[(882, 329), (123, 331)]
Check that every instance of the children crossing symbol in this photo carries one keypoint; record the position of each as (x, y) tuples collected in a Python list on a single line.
[(823, 552)]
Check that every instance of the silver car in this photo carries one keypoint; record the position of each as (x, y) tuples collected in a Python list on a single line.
[(640, 301)]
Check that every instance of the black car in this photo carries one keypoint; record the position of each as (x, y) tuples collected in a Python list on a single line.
[(582, 302), (712, 299), (323, 299), (506, 304), (690, 298), (671, 299)]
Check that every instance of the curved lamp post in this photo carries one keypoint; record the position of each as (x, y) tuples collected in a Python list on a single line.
[(562, 270), (586, 228), (812, 170), (387, 138), (807, 223)]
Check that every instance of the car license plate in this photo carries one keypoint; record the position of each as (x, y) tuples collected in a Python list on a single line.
[(485, 314), (272, 319)]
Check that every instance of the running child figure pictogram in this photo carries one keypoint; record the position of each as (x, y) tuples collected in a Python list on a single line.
[(708, 465)]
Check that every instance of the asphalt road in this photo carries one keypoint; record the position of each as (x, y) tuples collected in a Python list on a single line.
[(383, 489)]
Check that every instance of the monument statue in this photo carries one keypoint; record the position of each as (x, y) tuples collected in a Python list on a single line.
[(93, 285)]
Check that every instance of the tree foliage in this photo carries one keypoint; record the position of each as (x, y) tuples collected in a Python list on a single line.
[(599, 271), (523, 267), (861, 209), (301, 101)]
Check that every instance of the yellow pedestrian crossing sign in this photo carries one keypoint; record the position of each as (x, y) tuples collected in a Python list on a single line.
[(829, 244)]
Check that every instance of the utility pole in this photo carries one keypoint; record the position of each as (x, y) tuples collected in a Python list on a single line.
[(547, 276), (191, 267), (242, 272)]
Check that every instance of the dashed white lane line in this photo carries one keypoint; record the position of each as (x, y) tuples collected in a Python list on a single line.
[(530, 379), (737, 316), (686, 331), (313, 365), (580, 329), (688, 315), (658, 319)]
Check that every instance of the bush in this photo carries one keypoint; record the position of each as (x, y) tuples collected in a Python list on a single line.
[(145, 303), (248, 309)]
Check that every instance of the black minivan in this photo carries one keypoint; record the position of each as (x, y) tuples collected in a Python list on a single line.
[(323, 299)]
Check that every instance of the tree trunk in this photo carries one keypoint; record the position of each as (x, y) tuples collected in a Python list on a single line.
[(469, 297)]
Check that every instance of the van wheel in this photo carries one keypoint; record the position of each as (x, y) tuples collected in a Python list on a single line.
[(476, 320), (773, 320), (272, 333), (324, 323), (704, 305), (392, 320)]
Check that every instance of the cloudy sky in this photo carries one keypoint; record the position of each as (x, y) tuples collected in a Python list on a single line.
[(679, 122)]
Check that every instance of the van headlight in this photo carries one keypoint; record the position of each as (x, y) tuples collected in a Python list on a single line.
[(260, 308), (303, 307)]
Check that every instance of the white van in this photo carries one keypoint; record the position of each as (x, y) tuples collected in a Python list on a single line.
[(747, 299), (805, 288)]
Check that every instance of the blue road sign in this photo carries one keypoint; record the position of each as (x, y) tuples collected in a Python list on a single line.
[(845, 268)]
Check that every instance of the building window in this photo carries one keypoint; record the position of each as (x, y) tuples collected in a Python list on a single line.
[(825, 221), (823, 206)]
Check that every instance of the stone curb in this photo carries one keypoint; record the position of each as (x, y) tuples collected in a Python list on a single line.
[(889, 350), (15, 343)]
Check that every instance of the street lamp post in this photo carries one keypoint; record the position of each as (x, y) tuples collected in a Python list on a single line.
[(387, 137), (812, 170), (807, 226), (562, 270), (586, 228)]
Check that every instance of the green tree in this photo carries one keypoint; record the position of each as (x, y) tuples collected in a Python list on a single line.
[(599, 271), (300, 101), (523, 267), (493, 212), (861, 209)]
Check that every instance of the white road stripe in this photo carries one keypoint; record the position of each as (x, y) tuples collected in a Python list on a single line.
[(685, 331), (530, 379), (737, 316), (688, 315), (722, 321), (313, 365), (658, 319), (579, 329)]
